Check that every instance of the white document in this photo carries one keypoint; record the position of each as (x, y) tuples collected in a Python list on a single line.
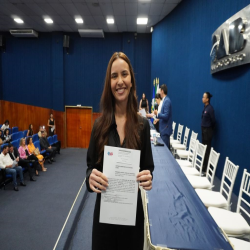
[(143, 112), (119, 201)]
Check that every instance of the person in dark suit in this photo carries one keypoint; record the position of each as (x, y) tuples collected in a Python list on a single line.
[(46, 146), (13, 152), (165, 116)]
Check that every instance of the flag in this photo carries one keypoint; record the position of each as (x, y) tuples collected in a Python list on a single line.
[(153, 97)]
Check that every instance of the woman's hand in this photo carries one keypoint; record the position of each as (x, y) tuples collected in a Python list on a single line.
[(97, 181), (145, 179)]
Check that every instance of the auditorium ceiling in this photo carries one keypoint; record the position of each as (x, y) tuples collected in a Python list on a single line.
[(94, 14)]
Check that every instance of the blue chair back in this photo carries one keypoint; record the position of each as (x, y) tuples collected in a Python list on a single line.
[(16, 143), (55, 139), (14, 130), (25, 133), (50, 140), (3, 146), (35, 138), (37, 145), (17, 135)]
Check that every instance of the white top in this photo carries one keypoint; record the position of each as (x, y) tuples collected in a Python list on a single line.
[(159, 108), (4, 127), (5, 160)]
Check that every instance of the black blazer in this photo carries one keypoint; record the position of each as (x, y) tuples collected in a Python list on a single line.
[(16, 153)]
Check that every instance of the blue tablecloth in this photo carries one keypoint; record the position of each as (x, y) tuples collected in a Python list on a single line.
[(178, 219)]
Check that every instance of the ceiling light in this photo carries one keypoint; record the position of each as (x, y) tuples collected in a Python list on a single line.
[(142, 20), (79, 20), (110, 20), (18, 20), (48, 20), (151, 29)]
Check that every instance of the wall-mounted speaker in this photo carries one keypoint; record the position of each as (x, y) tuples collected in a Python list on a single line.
[(2, 43), (66, 43)]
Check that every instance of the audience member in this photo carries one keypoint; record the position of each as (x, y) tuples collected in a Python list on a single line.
[(1, 137), (144, 103), (46, 146), (5, 125), (30, 130), (36, 153), (41, 130), (7, 136), (165, 116), (159, 104), (25, 155), (14, 154), (11, 167), (52, 125), (207, 126)]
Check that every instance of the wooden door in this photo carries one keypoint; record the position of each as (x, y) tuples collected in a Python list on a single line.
[(78, 126)]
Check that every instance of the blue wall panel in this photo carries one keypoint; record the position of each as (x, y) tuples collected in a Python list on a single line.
[(57, 80), (39, 72), (181, 45), (26, 70)]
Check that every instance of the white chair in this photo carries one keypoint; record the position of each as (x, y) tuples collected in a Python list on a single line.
[(183, 153), (176, 146), (239, 244), (207, 181), (198, 161), (233, 223), (216, 199), (189, 161), (179, 134), (173, 129)]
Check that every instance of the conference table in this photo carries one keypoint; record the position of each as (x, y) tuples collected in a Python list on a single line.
[(175, 216)]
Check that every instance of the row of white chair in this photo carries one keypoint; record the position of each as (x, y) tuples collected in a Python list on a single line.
[(219, 206)]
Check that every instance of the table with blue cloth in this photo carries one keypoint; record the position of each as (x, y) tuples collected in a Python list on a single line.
[(175, 217)]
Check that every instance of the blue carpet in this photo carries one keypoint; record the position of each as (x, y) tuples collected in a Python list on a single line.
[(33, 217)]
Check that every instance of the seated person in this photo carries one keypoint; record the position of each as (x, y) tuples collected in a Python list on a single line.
[(30, 131), (14, 154), (5, 125), (46, 146), (25, 155), (7, 136), (11, 167), (33, 150), (41, 130), (1, 137)]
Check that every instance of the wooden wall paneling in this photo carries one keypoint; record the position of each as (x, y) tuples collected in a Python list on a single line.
[(95, 116), (72, 125), (21, 115), (78, 126), (85, 127)]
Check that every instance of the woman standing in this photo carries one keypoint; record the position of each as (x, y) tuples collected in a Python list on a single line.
[(144, 103), (207, 126), (25, 155), (119, 126), (52, 125), (32, 150)]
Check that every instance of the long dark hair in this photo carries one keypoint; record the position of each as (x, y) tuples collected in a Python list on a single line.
[(107, 105)]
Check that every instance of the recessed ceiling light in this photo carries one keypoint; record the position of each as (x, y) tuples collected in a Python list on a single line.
[(110, 20), (142, 20), (48, 20), (18, 20), (79, 20), (151, 29)]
